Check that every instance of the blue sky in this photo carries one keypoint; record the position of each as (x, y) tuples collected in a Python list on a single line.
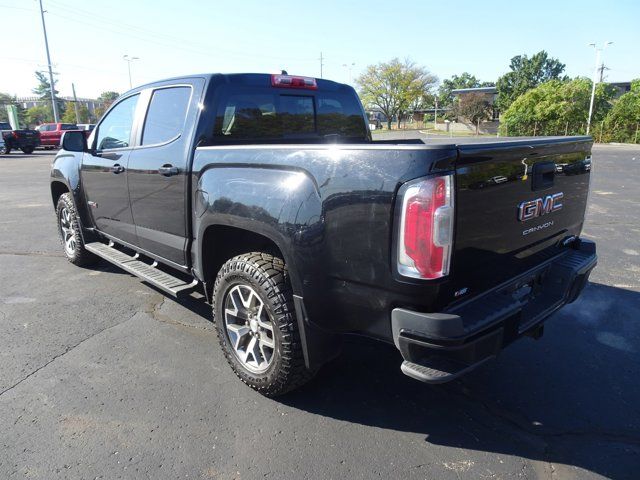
[(88, 38)]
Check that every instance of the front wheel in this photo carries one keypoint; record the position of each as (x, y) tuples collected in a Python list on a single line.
[(256, 323), (69, 232)]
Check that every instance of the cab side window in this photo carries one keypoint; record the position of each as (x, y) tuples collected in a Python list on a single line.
[(166, 115), (115, 129)]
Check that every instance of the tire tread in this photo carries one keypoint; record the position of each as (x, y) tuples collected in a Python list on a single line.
[(270, 273), (82, 256)]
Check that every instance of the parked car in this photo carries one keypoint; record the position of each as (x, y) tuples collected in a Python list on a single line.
[(86, 126), (23, 139), (267, 194), (2, 146), (51, 133)]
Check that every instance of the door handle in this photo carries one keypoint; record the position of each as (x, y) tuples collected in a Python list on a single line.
[(168, 170), (117, 168)]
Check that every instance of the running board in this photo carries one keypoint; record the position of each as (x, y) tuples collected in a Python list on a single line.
[(168, 283)]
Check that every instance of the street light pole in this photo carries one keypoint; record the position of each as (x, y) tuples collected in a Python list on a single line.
[(129, 59), (51, 86), (599, 55), (350, 67)]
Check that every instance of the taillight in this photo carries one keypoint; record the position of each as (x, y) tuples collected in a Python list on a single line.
[(15, 134), (290, 81), (426, 228)]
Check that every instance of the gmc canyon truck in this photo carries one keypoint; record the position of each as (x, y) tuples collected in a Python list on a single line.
[(25, 140), (267, 194)]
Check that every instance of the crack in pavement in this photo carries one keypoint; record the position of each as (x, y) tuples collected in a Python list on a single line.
[(69, 349), (31, 254), (151, 308), (154, 312)]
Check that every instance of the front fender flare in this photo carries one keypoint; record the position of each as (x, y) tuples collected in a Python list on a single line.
[(65, 169)]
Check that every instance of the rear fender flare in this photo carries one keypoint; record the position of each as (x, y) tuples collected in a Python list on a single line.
[(283, 205)]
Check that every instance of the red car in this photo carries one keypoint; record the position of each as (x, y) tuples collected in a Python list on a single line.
[(51, 133)]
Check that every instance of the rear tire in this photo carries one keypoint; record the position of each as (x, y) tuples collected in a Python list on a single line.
[(256, 323), (70, 234), (28, 150)]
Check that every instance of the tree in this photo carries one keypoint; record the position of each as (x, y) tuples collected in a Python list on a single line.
[(43, 91), (5, 99), (556, 108), (70, 114), (394, 86), (623, 121), (108, 97), (105, 99), (527, 73), (37, 115), (466, 80), (474, 107)]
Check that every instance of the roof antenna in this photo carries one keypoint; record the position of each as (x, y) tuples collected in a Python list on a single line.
[(283, 72)]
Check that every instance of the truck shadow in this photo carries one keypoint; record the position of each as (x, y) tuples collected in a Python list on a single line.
[(570, 398)]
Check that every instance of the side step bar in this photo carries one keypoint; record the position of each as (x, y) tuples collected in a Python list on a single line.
[(168, 283)]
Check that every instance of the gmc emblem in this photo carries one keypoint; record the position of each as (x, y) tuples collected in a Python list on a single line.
[(540, 206)]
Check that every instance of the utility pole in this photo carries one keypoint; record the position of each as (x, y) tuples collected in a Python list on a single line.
[(602, 69), (75, 102), (129, 59), (599, 52), (321, 64), (51, 86), (435, 115)]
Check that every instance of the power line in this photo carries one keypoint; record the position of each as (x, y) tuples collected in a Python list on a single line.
[(143, 34), (16, 8)]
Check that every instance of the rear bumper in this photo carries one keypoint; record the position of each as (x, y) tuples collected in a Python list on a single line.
[(15, 144), (439, 347)]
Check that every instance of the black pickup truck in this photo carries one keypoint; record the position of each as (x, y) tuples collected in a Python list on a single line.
[(267, 194), (25, 140)]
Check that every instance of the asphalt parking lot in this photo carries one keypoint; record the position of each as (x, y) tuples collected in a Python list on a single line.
[(101, 376)]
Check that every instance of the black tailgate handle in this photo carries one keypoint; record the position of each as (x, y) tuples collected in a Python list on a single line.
[(543, 174)]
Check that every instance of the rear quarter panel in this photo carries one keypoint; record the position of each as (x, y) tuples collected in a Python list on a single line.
[(329, 209)]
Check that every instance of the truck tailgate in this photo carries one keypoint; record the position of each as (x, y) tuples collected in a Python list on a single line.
[(516, 202)]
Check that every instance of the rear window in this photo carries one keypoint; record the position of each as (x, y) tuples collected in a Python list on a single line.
[(68, 126), (274, 115), (5, 126), (166, 115)]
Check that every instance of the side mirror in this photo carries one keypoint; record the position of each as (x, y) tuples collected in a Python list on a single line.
[(74, 141)]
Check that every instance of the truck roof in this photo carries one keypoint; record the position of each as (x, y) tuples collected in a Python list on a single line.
[(250, 79)]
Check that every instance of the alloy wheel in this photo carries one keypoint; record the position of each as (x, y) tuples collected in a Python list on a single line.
[(249, 328), (68, 234)]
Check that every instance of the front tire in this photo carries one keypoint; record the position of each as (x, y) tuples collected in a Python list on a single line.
[(256, 323), (70, 235)]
